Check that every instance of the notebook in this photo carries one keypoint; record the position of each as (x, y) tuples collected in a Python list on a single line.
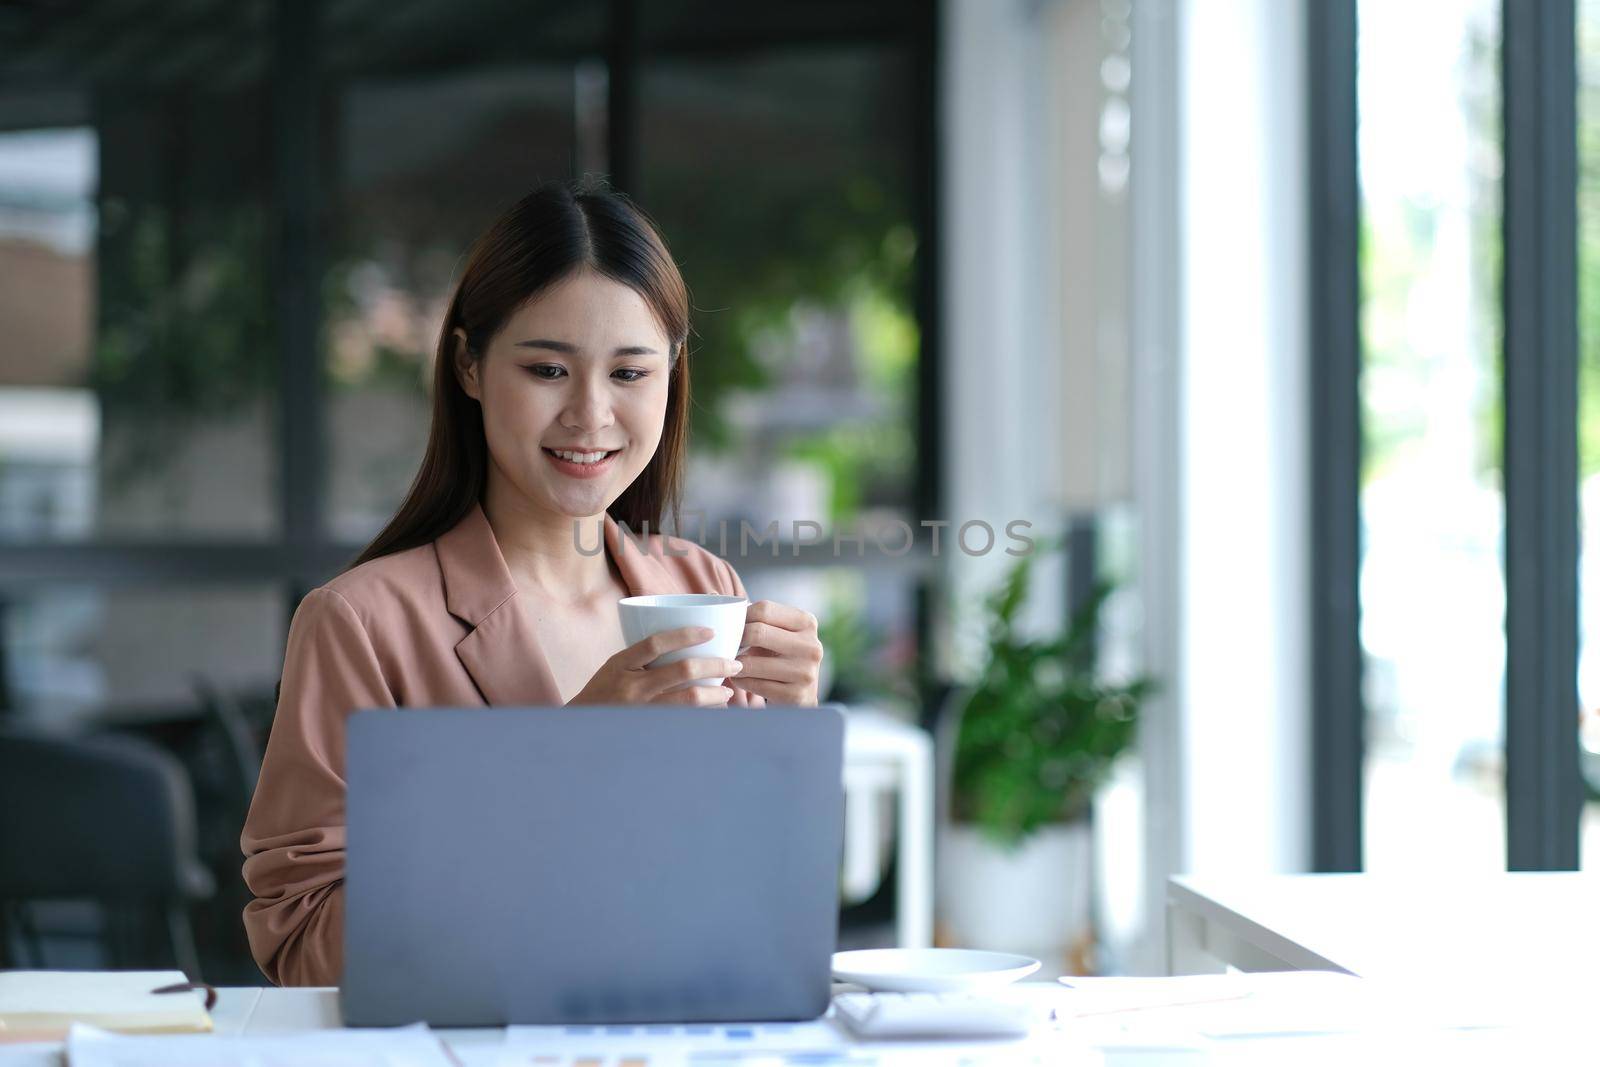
[(408, 1046), (42, 1005)]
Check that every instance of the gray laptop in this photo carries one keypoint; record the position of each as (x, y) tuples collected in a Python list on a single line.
[(591, 865)]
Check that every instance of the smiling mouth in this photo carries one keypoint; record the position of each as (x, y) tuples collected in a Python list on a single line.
[(582, 458), (580, 464)]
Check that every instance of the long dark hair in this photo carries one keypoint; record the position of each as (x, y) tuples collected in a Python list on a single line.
[(546, 236)]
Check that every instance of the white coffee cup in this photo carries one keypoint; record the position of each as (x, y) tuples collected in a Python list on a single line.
[(724, 615)]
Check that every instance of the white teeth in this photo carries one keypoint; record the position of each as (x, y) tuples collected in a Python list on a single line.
[(580, 457)]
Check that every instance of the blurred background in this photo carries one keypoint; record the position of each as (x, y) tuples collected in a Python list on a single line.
[(1073, 263)]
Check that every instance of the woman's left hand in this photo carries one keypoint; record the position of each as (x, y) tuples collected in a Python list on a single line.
[(782, 657)]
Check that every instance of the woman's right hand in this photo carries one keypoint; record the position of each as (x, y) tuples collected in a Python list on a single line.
[(627, 678)]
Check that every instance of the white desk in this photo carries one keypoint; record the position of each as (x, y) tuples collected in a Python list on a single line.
[(1386, 927), (258, 1012)]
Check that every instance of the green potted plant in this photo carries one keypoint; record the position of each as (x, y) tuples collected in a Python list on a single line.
[(1033, 739)]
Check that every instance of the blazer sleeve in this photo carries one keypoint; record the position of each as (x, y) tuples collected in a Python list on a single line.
[(294, 835)]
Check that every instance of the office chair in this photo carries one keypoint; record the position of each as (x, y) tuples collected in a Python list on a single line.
[(109, 819)]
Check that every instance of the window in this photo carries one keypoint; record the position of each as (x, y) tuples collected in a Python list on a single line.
[(1431, 583), (226, 237), (1471, 263)]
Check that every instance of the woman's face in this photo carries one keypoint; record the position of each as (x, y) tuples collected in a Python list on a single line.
[(582, 367)]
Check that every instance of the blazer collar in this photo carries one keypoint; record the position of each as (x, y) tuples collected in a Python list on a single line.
[(502, 650)]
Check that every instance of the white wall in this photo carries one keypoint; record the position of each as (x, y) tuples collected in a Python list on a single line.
[(1243, 522), (1035, 359), (999, 382), (1155, 329), (1215, 275)]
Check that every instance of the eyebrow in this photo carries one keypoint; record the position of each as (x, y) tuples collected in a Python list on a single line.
[(572, 349)]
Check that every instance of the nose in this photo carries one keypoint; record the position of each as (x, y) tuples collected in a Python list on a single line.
[(588, 408)]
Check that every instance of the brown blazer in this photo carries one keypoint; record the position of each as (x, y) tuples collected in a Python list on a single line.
[(439, 625)]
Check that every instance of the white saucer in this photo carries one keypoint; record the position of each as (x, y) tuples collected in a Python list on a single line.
[(930, 970)]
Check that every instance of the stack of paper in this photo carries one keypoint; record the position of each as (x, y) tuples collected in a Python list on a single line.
[(1227, 1005), (1332, 1012), (42, 1005)]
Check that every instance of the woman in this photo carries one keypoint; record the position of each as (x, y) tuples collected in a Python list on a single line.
[(560, 409)]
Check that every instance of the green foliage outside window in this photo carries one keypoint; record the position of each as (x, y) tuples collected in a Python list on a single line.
[(185, 329)]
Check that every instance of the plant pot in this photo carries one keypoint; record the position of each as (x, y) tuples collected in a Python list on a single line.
[(1033, 899)]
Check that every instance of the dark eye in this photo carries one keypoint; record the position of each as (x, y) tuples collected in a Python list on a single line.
[(538, 371), (633, 374)]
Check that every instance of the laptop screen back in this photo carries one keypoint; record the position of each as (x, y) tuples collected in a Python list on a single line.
[(591, 865)]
